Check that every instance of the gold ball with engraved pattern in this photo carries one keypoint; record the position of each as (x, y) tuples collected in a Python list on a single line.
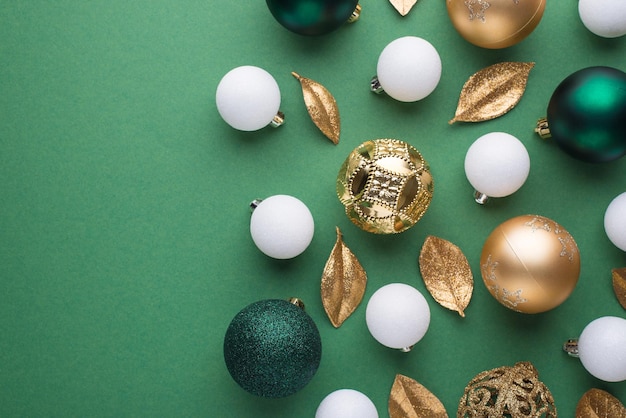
[(530, 264), (385, 186), (495, 24)]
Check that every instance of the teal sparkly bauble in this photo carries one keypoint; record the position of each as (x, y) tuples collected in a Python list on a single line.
[(312, 17), (272, 348), (587, 114)]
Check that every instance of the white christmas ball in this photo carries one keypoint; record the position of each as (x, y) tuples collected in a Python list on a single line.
[(281, 226), (602, 348), (409, 69), (605, 18), (497, 164), (248, 98), (615, 221), (346, 403), (397, 316)]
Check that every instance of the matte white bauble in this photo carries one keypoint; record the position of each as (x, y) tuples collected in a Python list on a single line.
[(281, 226), (397, 316), (409, 69), (248, 98), (605, 18), (602, 348), (615, 221), (496, 165), (346, 403)]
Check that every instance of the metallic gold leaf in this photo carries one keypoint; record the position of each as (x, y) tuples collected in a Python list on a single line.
[(596, 403), (492, 91), (446, 273), (343, 283), (619, 285), (403, 6), (409, 399), (321, 106)]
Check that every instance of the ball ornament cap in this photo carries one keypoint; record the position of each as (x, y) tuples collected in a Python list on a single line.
[(530, 264), (272, 348), (385, 186)]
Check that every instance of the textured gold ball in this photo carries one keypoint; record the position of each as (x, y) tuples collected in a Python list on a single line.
[(530, 264), (385, 186), (495, 24)]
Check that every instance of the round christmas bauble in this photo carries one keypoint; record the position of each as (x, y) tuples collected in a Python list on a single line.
[(496, 165), (397, 316), (385, 186), (281, 226), (605, 18), (495, 24), (409, 69), (615, 221), (530, 264), (346, 403), (247, 98), (312, 17), (602, 348), (272, 348), (587, 114)]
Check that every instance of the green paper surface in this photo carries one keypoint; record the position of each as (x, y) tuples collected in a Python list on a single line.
[(124, 221)]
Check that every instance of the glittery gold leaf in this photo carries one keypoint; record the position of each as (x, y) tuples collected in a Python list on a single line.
[(343, 283), (619, 285), (447, 274), (321, 106), (409, 399), (492, 91), (596, 403), (403, 6), (507, 392)]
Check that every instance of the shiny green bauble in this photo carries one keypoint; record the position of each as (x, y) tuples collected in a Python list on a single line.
[(312, 17), (587, 114), (272, 348)]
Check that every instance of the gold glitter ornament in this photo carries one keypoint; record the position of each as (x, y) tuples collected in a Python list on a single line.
[(514, 392), (619, 285), (385, 186), (495, 24), (409, 399), (530, 264), (596, 403)]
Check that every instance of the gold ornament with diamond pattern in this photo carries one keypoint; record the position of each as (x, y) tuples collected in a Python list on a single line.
[(530, 264), (385, 186)]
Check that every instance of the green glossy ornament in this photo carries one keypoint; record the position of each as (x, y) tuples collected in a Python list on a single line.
[(272, 348), (587, 114), (313, 17)]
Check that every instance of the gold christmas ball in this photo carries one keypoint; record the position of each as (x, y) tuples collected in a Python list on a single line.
[(530, 264), (385, 185), (495, 24), (514, 392)]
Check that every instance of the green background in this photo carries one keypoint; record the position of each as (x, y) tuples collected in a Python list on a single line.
[(125, 249)]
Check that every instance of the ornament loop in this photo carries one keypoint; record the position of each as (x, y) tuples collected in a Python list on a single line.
[(571, 347), (355, 14), (542, 129), (278, 120)]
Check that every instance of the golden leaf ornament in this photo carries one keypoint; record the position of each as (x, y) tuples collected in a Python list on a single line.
[(492, 91), (409, 399), (343, 283), (321, 106), (446, 273), (619, 285), (596, 403), (514, 392), (403, 6)]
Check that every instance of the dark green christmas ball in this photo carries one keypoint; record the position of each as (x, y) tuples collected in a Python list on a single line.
[(312, 17), (272, 348), (587, 114)]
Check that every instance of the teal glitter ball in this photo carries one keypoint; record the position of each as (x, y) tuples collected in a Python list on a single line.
[(587, 114), (272, 348), (312, 17)]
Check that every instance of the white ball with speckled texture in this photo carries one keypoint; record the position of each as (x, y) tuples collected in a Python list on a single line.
[(615, 221), (602, 348), (605, 18), (346, 403)]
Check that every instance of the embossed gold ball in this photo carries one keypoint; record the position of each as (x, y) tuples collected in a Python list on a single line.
[(385, 186), (530, 264), (495, 24)]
